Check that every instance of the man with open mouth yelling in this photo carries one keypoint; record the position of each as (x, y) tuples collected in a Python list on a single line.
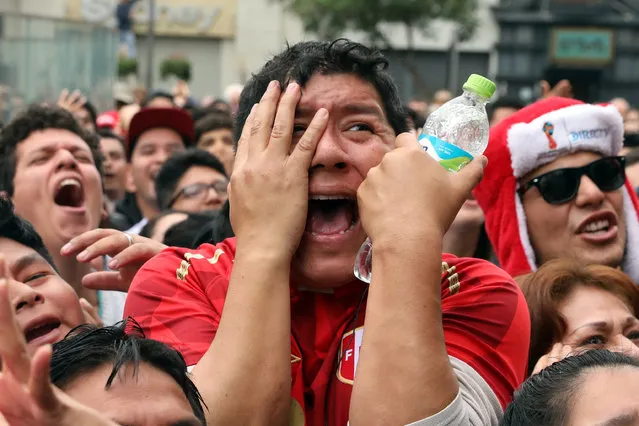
[(51, 171), (273, 321)]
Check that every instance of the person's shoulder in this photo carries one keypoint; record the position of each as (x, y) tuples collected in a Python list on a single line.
[(178, 270), (462, 273)]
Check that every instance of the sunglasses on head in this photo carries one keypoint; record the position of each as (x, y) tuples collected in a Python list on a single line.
[(562, 185)]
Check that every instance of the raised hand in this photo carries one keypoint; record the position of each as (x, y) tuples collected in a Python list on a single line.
[(409, 195), (28, 398), (128, 256), (270, 176), (558, 352), (71, 101)]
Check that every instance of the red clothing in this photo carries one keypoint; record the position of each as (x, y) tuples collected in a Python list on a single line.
[(178, 296)]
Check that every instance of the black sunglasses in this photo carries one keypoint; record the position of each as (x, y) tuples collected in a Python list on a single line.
[(561, 185)]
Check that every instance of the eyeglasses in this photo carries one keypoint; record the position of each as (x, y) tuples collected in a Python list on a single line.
[(199, 190), (562, 185)]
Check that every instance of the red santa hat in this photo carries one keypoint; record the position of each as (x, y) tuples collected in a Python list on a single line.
[(533, 137)]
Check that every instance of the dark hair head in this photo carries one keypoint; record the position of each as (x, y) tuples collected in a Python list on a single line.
[(37, 118), (211, 122), (303, 60), (93, 113), (157, 94), (176, 166), (217, 230), (545, 398), (13, 227), (506, 102), (105, 133), (419, 121), (123, 345), (148, 229), (553, 283), (183, 234)]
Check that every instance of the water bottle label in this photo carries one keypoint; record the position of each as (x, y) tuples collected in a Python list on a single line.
[(448, 155)]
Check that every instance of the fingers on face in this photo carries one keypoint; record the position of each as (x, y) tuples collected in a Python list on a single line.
[(282, 132), (305, 148), (39, 382), (242, 145), (263, 120)]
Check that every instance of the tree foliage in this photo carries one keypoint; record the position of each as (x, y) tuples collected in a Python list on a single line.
[(330, 18)]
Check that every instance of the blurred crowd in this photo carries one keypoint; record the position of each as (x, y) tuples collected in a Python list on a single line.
[(184, 260)]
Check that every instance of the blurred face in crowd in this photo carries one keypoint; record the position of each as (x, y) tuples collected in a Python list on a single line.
[(357, 136), (622, 106), (598, 319), (46, 307), (164, 401), (160, 102), (84, 118), (631, 123), (606, 397), (219, 142), (200, 189), (114, 168), (590, 228), (500, 114), (56, 174), (151, 150)]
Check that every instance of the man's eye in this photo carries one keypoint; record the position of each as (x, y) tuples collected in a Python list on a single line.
[(360, 128), (299, 130), (35, 277), (38, 160)]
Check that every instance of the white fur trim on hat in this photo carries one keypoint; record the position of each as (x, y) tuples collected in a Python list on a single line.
[(564, 131)]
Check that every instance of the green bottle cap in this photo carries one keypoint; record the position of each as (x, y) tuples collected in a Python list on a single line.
[(480, 85)]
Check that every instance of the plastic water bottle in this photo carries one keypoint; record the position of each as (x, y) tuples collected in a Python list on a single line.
[(453, 135)]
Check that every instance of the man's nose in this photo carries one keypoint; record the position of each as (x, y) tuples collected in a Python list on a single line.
[(329, 153)]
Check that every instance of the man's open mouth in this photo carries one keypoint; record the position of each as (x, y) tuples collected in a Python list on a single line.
[(69, 193), (40, 330), (331, 215)]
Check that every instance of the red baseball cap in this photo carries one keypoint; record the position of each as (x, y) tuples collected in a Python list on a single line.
[(161, 118), (108, 120)]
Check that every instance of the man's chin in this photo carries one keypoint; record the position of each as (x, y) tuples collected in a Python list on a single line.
[(322, 273)]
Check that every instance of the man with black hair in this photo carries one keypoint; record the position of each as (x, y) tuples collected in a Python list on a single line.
[(192, 181), (50, 169), (502, 108), (45, 307), (155, 134), (273, 321), (214, 133), (112, 369), (597, 387), (115, 164)]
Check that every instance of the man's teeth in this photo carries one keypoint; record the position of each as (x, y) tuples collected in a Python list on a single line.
[(329, 197), (70, 181), (598, 226)]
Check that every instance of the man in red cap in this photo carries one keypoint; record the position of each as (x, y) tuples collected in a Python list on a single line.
[(154, 135), (556, 188)]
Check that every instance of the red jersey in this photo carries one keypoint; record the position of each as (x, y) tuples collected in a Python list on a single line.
[(178, 298)]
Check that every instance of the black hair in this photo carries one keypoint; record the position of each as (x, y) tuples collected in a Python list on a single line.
[(123, 345), (176, 166), (303, 60), (13, 227), (211, 122), (106, 133), (506, 102), (36, 118), (93, 113), (631, 140), (183, 234), (218, 229), (157, 94), (149, 228), (545, 398)]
